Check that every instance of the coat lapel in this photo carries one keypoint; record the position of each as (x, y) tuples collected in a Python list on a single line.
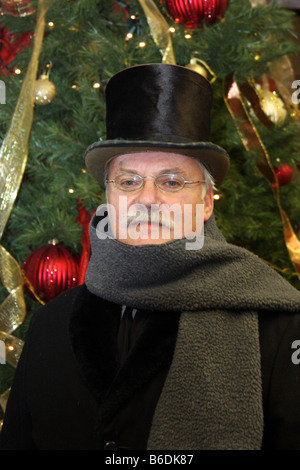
[(93, 332)]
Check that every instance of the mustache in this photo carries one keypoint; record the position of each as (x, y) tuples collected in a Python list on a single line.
[(138, 215)]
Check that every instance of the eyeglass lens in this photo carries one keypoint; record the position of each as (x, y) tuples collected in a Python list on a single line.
[(168, 182)]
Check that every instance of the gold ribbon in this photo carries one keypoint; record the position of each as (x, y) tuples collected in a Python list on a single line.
[(160, 30), (282, 73), (13, 308), (235, 98), (3, 401), (13, 159)]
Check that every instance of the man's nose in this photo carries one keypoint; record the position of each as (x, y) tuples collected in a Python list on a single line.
[(149, 193)]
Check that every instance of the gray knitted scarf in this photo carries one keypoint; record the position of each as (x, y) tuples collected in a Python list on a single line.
[(212, 396)]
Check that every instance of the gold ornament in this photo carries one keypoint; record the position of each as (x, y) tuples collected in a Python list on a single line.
[(202, 68), (45, 90), (197, 67), (272, 105)]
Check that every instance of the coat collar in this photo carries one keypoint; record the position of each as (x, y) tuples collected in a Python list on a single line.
[(93, 328)]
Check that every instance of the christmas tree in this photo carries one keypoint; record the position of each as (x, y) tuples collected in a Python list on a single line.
[(241, 46)]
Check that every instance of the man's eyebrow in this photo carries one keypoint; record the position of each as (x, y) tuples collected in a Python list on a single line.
[(126, 170), (175, 170)]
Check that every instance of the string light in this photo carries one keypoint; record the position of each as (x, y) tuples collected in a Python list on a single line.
[(142, 44), (96, 85), (50, 24), (217, 197), (187, 36), (17, 71), (129, 36), (172, 29), (71, 190)]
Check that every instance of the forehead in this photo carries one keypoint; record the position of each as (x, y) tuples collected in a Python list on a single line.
[(155, 161)]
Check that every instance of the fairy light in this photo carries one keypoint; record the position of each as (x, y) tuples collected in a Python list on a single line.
[(172, 29), (18, 71), (129, 36), (142, 44), (217, 197), (96, 85), (10, 348), (187, 36), (50, 24), (71, 190)]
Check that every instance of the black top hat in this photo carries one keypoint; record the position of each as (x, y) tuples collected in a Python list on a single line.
[(158, 107)]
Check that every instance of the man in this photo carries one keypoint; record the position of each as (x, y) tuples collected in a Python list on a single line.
[(177, 339)]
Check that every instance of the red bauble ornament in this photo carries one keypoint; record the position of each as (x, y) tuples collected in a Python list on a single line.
[(50, 270), (284, 173), (191, 13), (10, 45)]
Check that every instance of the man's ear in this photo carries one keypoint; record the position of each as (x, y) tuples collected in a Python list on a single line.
[(208, 203)]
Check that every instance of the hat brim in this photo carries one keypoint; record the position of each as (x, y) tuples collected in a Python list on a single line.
[(99, 154)]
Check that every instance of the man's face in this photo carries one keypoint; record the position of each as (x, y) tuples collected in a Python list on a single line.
[(183, 211)]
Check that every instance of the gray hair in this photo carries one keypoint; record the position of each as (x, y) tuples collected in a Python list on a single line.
[(209, 180)]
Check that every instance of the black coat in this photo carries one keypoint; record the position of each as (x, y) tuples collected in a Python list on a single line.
[(70, 392)]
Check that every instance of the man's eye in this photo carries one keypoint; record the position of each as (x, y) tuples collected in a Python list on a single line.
[(128, 181), (170, 182)]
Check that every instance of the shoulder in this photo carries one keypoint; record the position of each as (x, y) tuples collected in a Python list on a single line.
[(55, 315), (73, 308), (48, 337), (66, 299), (280, 364)]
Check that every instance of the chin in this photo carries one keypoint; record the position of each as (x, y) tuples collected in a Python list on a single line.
[(144, 236), (148, 241)]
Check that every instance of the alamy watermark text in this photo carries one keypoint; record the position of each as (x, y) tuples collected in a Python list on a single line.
[(296, 93), (165, 222), (2, 352), (2, 92)]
